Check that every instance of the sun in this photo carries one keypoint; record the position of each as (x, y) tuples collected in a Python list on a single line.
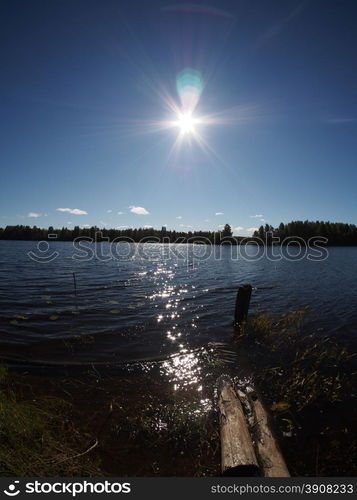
[(186, 123)]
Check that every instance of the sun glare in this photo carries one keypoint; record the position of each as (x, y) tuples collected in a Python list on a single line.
[(186, 123), (181, 115)]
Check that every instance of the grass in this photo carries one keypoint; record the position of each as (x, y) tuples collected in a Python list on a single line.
[(38, 437), (309, 383)]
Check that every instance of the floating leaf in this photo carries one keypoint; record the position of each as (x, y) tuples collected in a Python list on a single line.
[(280, 407), (53, 317), (75, 312), (114, 311), (14, 322), (113, 302), (48, 302), (46, 297), (20, 316)]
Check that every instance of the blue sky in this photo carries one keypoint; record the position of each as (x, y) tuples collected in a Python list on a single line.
[(83, 85)]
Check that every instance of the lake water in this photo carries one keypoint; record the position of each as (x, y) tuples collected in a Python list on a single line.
[(151, 327), (174, 299)]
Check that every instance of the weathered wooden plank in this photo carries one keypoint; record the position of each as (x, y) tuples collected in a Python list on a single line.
[(238, 457), (268, 452)]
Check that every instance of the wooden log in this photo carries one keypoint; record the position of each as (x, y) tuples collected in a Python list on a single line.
[(238, 457), (242, 304), (267, 449)]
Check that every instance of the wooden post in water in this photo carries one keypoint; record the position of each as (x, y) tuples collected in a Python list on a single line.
[(75, 283), (238, 457), (242, 304), (268, 452)]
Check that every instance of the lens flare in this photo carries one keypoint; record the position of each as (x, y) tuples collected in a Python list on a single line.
[(182, 115), (189, 85)]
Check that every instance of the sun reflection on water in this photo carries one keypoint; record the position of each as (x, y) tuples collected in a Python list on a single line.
[(183, 370)]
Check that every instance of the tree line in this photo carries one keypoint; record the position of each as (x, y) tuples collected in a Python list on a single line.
[(35, 233), (337, 233)]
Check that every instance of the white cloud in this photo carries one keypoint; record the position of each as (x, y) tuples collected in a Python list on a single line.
[(179, 217), (86, 225), (221, 226), (120, 213), (73, 211), (138, 210), (258, 216), (252, 229), (109, 211), (239, 228), (33, 214), (219, 213), (206, 220), (121, 227), (147, 226)]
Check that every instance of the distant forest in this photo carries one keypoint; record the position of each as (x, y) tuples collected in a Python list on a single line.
[(337, 233), (64, 234)]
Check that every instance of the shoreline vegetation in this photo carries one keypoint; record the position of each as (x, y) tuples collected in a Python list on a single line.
[(295, 232), (98, 423)]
